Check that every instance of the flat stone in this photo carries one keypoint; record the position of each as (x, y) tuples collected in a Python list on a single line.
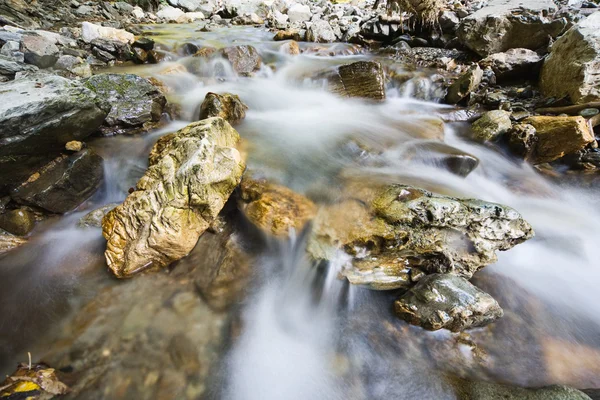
[(90, 31)]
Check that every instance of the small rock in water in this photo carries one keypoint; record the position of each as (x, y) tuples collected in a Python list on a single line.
[(94, 218), (227, 106), (244, 59), (440, 154), (18, 222), (362, 79), (491, 126), (320, 32), (522, 140), (464, 85), (446, 301)]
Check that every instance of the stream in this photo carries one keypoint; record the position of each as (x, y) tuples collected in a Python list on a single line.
[(303, 333)]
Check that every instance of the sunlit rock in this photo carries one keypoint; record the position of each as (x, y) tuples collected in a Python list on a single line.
[(491, 125), (18, 222), (244, 59), (227, 106), (191, 174), (359, 79), (275, 208)]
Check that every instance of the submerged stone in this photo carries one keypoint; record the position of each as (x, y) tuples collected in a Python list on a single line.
[(363, 79), (191, 174), (445, 301)]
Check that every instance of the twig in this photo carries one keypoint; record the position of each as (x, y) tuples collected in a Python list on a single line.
[(568, 109), (29, 355)]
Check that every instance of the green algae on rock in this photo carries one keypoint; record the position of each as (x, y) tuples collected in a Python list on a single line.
[(191, 175)]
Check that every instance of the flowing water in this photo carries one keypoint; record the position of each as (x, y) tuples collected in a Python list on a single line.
[(302, 332)]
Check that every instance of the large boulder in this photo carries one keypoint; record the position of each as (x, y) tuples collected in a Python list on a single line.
[(558, 136), (136, 103), (44, 113), (573, 67), (64, 183), (244, 59), (39, 51), (508, 24), (191, 175), (445, 301), (227, 106), (397, 234)]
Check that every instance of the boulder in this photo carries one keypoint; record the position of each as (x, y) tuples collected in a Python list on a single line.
[(396, 234), (62, 184), (227, 106), (464, 85), (44, 113), (18, 222), (573, 67), (514, 63), (506, 24), (491, 125), (136, 103), (169, 13), (9, 67), (363, 79), (299, 13), (244, 59), (74, 65), (39, 51), (558, 136), (9, 242), (275, 208), (320, 31), (90, 31), (446, 301), (191, 175), (187, 5)]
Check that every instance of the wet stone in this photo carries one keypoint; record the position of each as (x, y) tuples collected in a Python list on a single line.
[(18, 222), (227, 106), (244, 59)]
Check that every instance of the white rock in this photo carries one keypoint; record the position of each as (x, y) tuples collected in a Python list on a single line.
[(299, 13), (138, 13), (57, 38), (91, 31), (169, 13), (189, 17)]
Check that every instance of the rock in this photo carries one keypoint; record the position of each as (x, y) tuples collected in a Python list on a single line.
[(396, 234), (84, 11), (169, 13), (445, 301), (290, 47), (449, 21), (491, 126), (275, 208), (90, 31), (558, 136), (189, 17), (360, 79), (508, 24), (441, 155), (464, 85), (74, 145), (187, 5), (248, 19), (138, 13), (514, 63), (299, 13), (74, 65), (136, 103), (288, 35), (143, 43), (37, 381), (39, 51), (9, 67), (522, 140), (244, 59), (320, 32), (480, 390), (191, 175), (18, 222), (44, 113), (12, 50), (63, 184), (227, 106), (94, 218), (9, 242), (573, 67)]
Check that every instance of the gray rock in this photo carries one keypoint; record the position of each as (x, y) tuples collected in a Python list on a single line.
[(480, 390), (39, 51), (187, 5), (521, 63), (320, 32), (64, 183), (491, 125), (44, 113), (85, 10), (445, 301), (299, 13), (18, 222), (135, 102), (13, 50), (9, 67), (124, 7), (93, 219), (244, 59), (573, 67), (507, 24), (74, 65), (465, 85), (6, 36), (449, 21)]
